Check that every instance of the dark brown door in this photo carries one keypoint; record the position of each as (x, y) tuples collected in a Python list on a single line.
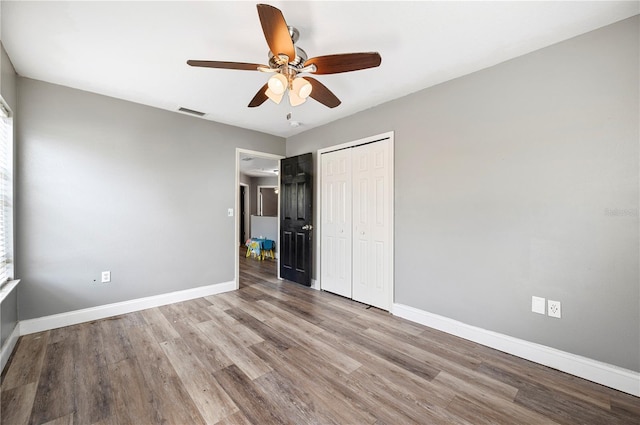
[(296, 229)]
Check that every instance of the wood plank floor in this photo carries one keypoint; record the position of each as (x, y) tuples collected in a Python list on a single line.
[(276, 352)]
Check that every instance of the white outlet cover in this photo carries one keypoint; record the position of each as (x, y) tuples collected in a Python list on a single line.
[(554, 309), (106, 277), (230, 212), (537, 305)]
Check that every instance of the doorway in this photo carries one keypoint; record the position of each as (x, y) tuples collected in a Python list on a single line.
[(253, 170)]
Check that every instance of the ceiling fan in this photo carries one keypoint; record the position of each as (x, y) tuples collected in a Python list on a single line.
[(287, 61)]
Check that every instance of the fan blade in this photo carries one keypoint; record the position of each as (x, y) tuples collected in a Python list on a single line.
[(322, 94), (345, 62), (226, 65), (276, 31), (259, 98)]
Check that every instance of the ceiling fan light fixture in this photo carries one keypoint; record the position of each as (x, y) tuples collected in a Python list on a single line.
[(301, 87), (294, 99), (278, 84), (275, 97)]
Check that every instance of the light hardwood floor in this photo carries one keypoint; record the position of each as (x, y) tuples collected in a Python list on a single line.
[(276, 352)]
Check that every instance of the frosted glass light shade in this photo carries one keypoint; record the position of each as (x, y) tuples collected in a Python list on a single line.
[(278, 83), (275, 97), (294, 99), (302, 87)]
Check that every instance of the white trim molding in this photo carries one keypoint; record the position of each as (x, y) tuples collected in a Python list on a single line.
[(100, 312), (315, 284), (621, 379), (9, 345), (7, 287)]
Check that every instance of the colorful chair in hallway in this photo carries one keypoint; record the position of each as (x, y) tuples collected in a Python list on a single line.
[(267, 248), (253, 248)]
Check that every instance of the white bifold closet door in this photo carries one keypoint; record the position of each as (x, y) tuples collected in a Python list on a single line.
[(356, 192), (336, 222)]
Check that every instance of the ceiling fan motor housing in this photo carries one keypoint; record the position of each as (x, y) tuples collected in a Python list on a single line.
[(301, 55)]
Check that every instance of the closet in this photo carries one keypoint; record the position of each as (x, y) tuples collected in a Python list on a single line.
[(356, 222)]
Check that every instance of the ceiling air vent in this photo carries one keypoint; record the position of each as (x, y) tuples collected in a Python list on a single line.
[(191, 111)]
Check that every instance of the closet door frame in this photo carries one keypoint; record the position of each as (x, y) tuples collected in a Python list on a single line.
[(318, 247)]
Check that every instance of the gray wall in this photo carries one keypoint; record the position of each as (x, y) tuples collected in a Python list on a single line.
[(107, 184), (266, 227), (521, 180), (243, 178), (7, 80), (9, 307)]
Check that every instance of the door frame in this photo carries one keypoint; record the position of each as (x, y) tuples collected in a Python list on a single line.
[(236, 220), (371, 139)]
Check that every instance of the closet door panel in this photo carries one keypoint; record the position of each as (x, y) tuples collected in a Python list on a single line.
[(336, 243), (372, 226), (361, 176)]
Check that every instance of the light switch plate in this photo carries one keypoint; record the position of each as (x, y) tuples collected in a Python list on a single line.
[(537, 305), (230, 212)]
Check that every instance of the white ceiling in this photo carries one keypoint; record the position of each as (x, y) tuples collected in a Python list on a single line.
[(137, 51), (256, 166)]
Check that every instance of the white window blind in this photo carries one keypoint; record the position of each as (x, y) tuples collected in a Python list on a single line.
[(6, 195)]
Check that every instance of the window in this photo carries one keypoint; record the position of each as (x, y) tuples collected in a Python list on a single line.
[(6, 194)]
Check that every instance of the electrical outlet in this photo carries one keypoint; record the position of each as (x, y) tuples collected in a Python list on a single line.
[(537, 305), (106, 277), (554, 309), (230, 212)]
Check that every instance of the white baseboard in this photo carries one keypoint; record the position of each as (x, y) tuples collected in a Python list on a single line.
[(315, 284), (621, 379), (7, 287), (100, 312)]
